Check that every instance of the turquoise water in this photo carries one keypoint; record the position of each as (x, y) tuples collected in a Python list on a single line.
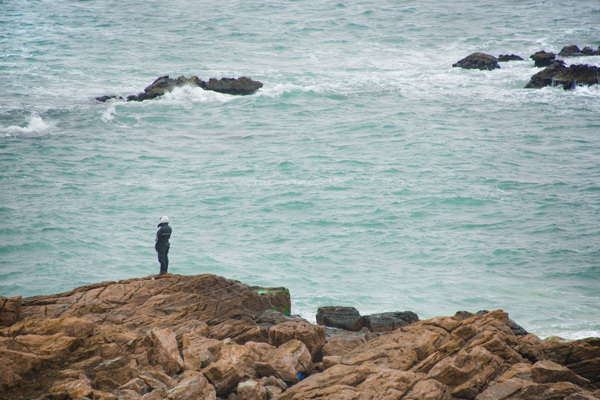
[(367, 171)]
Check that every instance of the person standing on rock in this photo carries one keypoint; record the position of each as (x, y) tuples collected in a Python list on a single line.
[(162, 244)]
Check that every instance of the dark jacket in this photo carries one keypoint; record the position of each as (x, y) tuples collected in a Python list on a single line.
[(162, 237)]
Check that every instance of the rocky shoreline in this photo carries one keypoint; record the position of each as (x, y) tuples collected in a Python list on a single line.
[(207, 337)]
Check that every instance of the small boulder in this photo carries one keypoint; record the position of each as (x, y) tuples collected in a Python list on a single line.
[(192, 385), (478, 61), (313, 336), (509, 57), (347, 318), (588, 51), (543, 59), (390, 321), (547, 371), (251, 390), (164, 351)]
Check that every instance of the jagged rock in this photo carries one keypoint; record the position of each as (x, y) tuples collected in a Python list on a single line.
[(577, 75), (251, 390), (279, 296), (192, 385), (164, 351), (347, 318), (286, 361), (153, 339), (390, 321), (509, 57), (543, 59), (478, 61), (516, 328), (544, 77), (10, 310), (313, 336)]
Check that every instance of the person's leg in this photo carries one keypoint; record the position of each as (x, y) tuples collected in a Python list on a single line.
[(161, 260)]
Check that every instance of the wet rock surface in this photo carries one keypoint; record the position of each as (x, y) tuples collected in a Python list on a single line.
[(478, 61), (207, 337), (164, 84)]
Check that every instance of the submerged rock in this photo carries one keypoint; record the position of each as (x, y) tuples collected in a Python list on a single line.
[(544, 77), (577, 75), (478, 61)]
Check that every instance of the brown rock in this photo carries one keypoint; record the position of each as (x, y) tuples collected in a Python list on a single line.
[(286, 361), (313, 336), (192, 385), (550, 372), (234, 365), (251, 390), (164, 351), (199, 352), (10, 310), (342, 344)]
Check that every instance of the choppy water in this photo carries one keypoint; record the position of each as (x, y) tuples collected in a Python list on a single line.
[(366, 172)]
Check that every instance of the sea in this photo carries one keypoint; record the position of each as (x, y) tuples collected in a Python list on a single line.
[(367, 172)]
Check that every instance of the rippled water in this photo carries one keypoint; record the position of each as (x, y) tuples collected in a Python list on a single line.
[(366, 172)]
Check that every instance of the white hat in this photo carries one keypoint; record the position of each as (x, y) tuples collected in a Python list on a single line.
[(164, 219)]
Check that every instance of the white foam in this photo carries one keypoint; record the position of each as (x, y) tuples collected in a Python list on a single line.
[(187, 93), (35, 124), (109, 114)]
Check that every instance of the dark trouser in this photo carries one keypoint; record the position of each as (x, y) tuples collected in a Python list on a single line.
[(163, 259)]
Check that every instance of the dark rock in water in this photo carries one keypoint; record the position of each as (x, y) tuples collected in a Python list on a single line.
[(164, 84), (570, 51), (544, 77), (104, 99), (543, 59), (509, 57), (347, 318), (478, 61), (588, 51), (577, 75), (240, 86), (390, 321)]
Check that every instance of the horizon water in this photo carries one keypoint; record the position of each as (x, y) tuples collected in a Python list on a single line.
[(367, 172)]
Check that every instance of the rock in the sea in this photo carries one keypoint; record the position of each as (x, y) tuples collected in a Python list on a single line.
[(543, 59), (390, 321), (544, 77), (478, 61), (240, 86), (347, 318), (509, 57), (573, 51), (164, 84), (577, 75)]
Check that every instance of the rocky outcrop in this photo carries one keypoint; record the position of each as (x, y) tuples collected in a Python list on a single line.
[(206, 337), (574, 51), (509, 57), (558, 74), (543, 59), (164, 84), (478, 61)]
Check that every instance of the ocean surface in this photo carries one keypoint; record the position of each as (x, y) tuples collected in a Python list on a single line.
[(367, 172)]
